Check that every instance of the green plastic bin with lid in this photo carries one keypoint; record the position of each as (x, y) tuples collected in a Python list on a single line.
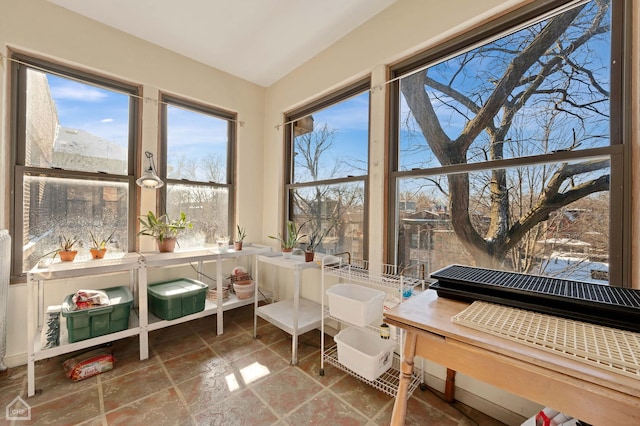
[(176, 298), (85, 324)]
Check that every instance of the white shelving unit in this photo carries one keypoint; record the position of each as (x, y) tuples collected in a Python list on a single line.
[(382, 276), (295, 316), (141, 322), (159, 260), (36, 279)]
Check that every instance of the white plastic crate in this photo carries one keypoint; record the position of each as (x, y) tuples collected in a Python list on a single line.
[(364, 353), (355, 304)]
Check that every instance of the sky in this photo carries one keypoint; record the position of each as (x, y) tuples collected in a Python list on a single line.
[(105, 113)]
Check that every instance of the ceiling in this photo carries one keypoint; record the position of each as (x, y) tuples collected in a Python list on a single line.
[(258, 40)]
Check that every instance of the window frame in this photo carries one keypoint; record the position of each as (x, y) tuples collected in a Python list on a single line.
[(290, 119), (166, 100), (20, 64), (618, 151)]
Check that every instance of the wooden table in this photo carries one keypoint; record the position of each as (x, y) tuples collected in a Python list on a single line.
[(592, 394)]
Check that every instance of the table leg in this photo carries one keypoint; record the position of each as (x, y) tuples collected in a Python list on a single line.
[(450, 386), (406, 374)]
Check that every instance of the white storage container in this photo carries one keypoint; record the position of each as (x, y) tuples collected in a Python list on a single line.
[(355, 304), (364, 353)]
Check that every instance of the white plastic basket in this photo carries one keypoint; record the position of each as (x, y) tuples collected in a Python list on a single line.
[(364, 353), (355, 304), (244, 291)]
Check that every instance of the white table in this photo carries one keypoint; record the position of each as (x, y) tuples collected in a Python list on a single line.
[(296, 315)]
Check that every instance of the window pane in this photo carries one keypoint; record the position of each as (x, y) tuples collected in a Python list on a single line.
[(540, 230), (524, 94), (337, 212), (75, 126), (332, 143), (73, 208), (207, 207), (197, 146)]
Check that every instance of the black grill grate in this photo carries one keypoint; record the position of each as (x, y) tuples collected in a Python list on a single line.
[(601, 304)]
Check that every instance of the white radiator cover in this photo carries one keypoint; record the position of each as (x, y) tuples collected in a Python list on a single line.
[(5, 272)]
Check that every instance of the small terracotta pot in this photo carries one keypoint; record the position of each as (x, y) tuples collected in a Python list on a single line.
[(309, 256), (98, 253), (168, 245), (67, 255), (237, 245)]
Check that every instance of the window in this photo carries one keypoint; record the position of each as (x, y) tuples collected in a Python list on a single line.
[(506, 152), (73, 175), (327, 150), (199, 146)]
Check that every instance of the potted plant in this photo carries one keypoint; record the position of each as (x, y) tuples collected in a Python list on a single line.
[(313, 241), (240, 235), (164, 229), (66, 250), (99, 244), (290, 240)]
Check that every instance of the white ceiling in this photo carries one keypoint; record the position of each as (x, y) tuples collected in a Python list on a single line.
[(257, 40)]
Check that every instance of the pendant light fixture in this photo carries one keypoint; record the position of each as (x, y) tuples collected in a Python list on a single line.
[(149, 178)]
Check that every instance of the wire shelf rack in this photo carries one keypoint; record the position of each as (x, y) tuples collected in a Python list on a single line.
[(383, 275), (388, 382), (609, 348)]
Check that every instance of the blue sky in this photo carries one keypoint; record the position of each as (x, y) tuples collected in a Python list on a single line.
[(98, 111), (105, 113)]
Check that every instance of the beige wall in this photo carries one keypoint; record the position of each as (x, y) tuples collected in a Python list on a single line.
[(40, 28), (404, 28)]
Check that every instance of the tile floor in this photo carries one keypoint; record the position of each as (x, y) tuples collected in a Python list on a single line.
[(194, 377)]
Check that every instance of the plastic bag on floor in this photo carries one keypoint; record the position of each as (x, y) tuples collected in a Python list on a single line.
[(89, 364)]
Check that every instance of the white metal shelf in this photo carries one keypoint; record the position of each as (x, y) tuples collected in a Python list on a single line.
[(210, 308), (36, 277), (62, 270), (388, 382), (380, 275), (296, 315), (161, 260), (140, 320), (65, 347), (281, 315)]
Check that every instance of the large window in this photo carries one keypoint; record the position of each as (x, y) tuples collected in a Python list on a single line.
[(508, 144), (199, 146), (326, 180), (73, 175)]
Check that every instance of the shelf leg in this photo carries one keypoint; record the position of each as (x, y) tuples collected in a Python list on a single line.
[(31, 377), (143, 311), (296, 306), (219, 302), (32, 318)]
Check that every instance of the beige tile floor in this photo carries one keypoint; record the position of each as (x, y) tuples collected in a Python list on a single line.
[(194, 377)]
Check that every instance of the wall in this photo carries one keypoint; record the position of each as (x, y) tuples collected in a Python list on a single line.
[(406, 27), (40, 28)]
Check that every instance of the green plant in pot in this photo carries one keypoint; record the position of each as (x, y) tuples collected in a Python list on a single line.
[(99, 244), (164, 229), (241, 233), (291, 238), (313, 241), (65, 250)]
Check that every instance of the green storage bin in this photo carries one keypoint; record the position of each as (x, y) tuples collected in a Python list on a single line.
[(176, 298), (89, 323)]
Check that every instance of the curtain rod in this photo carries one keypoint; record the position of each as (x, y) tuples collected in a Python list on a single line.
[(79, 80)]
